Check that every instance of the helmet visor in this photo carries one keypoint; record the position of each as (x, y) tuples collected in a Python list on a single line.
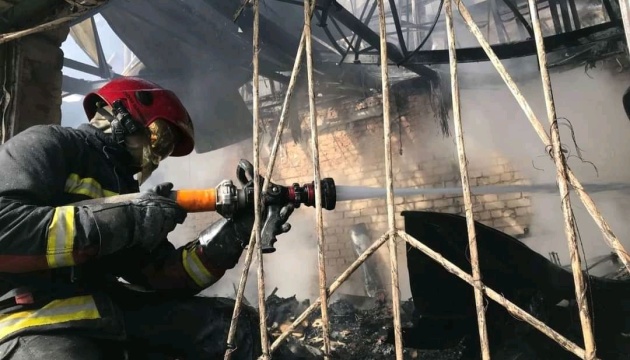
[(163, 138)]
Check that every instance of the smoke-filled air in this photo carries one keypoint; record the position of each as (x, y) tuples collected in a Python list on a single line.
[(588, 103)]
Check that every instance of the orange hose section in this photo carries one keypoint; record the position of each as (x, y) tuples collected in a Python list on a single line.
[(197, 200)]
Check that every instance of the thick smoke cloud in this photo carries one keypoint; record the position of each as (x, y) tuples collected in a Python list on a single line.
[(591, 104)]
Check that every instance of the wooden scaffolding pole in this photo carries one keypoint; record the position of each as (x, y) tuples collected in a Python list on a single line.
[(561, 175), (262, 308), (319, 222), (389, 183), (50, 25), (463, 169), (609, 236), (270, 167)]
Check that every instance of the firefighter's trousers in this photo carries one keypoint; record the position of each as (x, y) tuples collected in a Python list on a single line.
[(192, 328)]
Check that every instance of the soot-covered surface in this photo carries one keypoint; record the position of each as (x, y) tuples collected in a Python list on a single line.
[(356, 332), (445, 308)]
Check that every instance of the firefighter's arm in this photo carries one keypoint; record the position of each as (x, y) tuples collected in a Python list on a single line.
[(198, 264), (36, 165), (34, 236), (202, 262)]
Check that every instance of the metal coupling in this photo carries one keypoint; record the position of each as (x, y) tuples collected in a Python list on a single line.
[(227, 199)]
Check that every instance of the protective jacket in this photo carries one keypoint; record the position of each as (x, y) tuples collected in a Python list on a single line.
[(52, 273)]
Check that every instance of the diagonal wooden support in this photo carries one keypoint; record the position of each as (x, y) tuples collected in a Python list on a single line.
[(507, 304), (609, 236), (50, 25), (561, 167), (463, 169)]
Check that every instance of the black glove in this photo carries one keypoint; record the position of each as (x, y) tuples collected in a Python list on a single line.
[(163, 189), (155, 215), (144, 221), (223, 242)]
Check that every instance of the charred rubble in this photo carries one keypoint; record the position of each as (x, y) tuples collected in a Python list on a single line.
[(440, 323), (445, 313), (360, 328)]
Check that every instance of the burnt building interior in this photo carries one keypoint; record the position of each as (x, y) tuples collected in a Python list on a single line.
[(202, 50)]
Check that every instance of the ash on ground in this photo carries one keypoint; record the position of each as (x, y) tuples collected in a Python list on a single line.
[(360, 328)]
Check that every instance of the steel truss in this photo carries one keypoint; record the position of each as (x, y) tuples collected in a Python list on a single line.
[(568, 31)]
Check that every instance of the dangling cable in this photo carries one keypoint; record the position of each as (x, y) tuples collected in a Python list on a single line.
[(426, 37)]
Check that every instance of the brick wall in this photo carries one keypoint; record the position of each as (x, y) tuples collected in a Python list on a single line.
[(351, 151)]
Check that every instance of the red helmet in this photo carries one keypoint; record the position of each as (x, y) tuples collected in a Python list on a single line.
[(146, 102)]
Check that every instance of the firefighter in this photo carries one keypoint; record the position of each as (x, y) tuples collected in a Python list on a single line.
[(102, 281)]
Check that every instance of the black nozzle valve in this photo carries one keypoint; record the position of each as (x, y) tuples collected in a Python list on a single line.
[(329, 194), (305, 194)]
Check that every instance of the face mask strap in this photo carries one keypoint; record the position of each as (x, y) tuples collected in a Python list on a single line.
[(122, 123)]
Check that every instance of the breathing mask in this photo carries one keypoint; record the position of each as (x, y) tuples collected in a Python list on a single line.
[(151, 146)]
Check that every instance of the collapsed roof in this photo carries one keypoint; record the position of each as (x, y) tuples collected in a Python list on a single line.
[(202, 49)]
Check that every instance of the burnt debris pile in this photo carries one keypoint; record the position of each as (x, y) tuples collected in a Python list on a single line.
[(360, 328)]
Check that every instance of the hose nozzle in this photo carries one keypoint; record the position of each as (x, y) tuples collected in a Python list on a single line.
[(305, 194)]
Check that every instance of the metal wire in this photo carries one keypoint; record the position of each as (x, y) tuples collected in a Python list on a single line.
[(590, 206)]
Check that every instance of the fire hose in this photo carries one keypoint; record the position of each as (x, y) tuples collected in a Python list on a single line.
[(227, 199)]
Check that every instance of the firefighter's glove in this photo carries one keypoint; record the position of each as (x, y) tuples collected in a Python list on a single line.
[(155, 216), (163, 189), (144, 221), (223, 241)]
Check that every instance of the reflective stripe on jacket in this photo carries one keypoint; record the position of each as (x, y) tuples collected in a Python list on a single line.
[(55, 312), (44, 241)]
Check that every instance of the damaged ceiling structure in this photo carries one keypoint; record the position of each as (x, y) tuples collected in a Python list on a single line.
[(202, 50)]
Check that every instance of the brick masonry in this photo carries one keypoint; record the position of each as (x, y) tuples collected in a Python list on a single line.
[(351, 151)]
